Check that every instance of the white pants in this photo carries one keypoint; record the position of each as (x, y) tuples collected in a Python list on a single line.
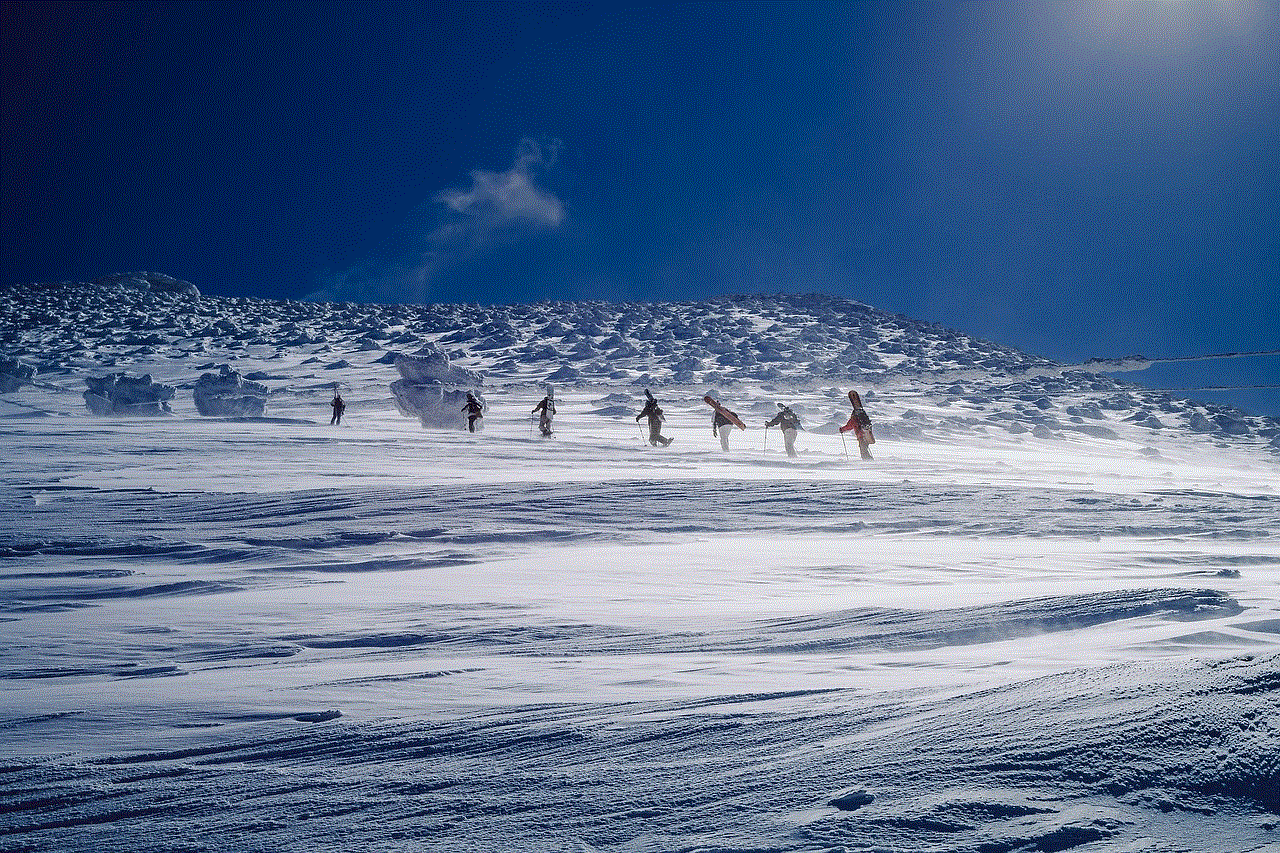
[(723, 431), (789, 439)]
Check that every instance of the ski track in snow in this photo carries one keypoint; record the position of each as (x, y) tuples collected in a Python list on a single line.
[(276, 635)]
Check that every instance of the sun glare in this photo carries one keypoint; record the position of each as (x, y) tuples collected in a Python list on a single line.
[(1170, 23)]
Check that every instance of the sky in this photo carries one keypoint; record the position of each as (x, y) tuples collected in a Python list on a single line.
[(1074, 179)]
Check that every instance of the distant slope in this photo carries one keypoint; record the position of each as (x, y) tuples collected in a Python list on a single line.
[(803, 341)]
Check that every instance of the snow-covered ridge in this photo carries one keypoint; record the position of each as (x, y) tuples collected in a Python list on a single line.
[(810, 346)]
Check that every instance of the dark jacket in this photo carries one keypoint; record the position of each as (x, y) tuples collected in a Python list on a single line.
[(651, 411), (786, 419)]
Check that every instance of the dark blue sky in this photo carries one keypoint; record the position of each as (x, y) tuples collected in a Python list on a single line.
[(1074, 179)]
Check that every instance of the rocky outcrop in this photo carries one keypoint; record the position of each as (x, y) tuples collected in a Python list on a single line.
[(227, 394), (118, 394), (432, 390)]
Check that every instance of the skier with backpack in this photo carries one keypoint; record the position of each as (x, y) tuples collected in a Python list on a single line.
[(789, 422), (548, 409), (860, 423), (339, 406), (722, 421), (474, 409), (654, 414)]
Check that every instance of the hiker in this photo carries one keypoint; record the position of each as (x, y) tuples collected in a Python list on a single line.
[(722, 425), (339, 406), (474, 410), (860, 423), (548, 409), (654, 414), (789, 422)]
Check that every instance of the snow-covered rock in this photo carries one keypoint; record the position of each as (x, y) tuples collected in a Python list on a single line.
[(430, 365), (432, 390), (436, 406), (14, 374), (228, 394), (119, 394), (1231, 426), (565, 374), (150, 282)]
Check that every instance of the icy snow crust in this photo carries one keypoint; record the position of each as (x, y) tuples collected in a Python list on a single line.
[(1045, 617)]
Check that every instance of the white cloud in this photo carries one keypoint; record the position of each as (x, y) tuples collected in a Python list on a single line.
[(496, 199), (498, 205)]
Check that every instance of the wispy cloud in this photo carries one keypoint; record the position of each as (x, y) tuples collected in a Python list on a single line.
[(498, 206), (498, 199)]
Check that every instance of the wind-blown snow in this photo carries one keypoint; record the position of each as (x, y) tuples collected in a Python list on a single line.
[(1044, 617)]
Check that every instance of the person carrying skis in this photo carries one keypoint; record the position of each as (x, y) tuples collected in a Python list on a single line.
[(474, 410), (339, 406), (548, 409), (721, 426), (654, 414), (860, 423), (789, 422)]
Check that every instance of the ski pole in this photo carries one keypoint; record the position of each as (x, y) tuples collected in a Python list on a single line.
[(846, 447), (530, 425), (766, 437)]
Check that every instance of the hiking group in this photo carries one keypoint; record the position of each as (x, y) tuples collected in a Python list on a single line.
[(723, 420), (787, 421)]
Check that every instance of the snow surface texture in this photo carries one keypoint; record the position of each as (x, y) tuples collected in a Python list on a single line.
[(1044, 618)]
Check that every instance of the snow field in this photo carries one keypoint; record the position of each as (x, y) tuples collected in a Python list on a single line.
[(281, 635)]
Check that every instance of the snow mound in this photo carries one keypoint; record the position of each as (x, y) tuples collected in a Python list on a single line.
[(119, 394), (228, 394)]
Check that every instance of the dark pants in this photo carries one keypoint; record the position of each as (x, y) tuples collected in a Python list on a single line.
[(471, 422), (337, 417)]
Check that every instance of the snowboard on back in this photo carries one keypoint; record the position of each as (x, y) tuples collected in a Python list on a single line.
[(863, 431), (715, 404)]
